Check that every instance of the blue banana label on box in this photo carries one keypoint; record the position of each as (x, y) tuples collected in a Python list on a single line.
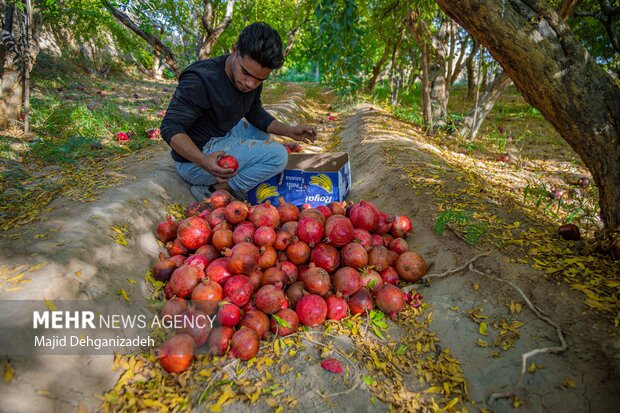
[(303, 187)]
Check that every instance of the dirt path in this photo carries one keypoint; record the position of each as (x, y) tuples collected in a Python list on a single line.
[(394, 166)]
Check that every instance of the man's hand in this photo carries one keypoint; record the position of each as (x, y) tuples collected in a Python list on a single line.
[(209, 164), (303, 133)]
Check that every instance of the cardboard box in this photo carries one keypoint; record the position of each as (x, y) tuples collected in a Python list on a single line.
[(315, 179)]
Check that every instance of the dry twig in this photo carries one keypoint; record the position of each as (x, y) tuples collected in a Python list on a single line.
[(525, 356)]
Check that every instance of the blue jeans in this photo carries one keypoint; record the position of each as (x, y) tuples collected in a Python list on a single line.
[(259, 159)]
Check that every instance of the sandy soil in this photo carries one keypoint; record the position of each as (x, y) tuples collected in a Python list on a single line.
[(83, 262)]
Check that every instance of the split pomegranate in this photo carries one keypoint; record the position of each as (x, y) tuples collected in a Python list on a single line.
[(194, 232), (411, 266), (177, 353), (245, 343), (236, 212), (311, 310), (167, 230), (287, 324), (390, 299)]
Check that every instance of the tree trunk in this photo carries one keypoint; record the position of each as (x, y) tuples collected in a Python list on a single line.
[(19, 57), (427, 113), (377, 69), (475, 117), (471, 76), (155, 43), (157, 70), (440, 93), (211, 33), (557, 76)]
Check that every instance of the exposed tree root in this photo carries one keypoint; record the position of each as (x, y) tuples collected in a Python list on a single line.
[(525, 356)]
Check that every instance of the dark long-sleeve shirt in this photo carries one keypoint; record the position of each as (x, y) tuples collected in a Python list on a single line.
[(207, 104)]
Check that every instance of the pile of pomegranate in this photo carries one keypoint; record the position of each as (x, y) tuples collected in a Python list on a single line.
[(260, 268)]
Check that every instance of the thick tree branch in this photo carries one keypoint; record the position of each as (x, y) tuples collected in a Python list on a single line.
[(567, 7), (155, 43)]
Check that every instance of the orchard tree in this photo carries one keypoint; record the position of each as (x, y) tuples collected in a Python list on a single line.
[(556, 75)]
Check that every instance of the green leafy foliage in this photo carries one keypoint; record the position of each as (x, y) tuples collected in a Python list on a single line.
[(473, 229)]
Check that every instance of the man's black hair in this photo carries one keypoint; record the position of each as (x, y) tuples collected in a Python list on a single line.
[(263, 44)]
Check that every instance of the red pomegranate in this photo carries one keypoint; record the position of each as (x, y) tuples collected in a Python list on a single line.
[(354, 255), (194, 232), (177, 353), (178, 259), (196, 324), (385, 223), (310, 231), (283, 240), (206, 296), (337, 208), (228, 162), (372, 279), (324, 209), (245, 343), (360, 302), (294, 292), (167, 230), (325, 256), (268, 257), (390, 276), (176, 248), (336, 307), (197, 259), (255, 278), (238, 289), (265, 214), (243, 258), (298, 252), (257, 321), (269, 299), (184, 279), (287, 212), (316, 280), (311, 310), (399, 245), (379, 258), (312, 213), (365, 216), (217, 216), (347, 281), (291, 227), (362, 237), (287, 324), (219, 339), (209, 252), (220, 198), (338, 230), (390, 299), (218, 271), (393, 256), (290, 270), (274, 276), (244, 232), (401, 226), (264, 236), (174, 307), (377, 240), (228, 314), (222, 239), (196, 208), (411, 266), (163, 269), (236, 212)]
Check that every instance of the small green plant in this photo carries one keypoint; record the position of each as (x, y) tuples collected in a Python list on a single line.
[(474, 229)]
